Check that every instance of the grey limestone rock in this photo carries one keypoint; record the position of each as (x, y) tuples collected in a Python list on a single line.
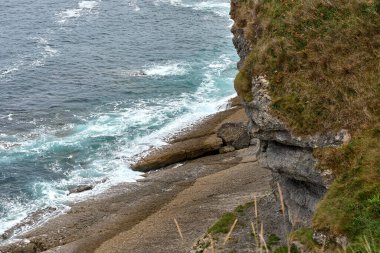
[(234, 134), (242, 46), (294, 162), (266, 126), (321, 238), (302, 184)]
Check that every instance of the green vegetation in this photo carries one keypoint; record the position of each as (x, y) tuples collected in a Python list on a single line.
[(304, 236), (205, 245), (284, 249), (365, 245), (322, 59), (241, 208), (223, 224), (352, 204), (272, 240)]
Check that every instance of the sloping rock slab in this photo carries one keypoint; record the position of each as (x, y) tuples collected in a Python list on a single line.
[(210, 124), (178, 152)]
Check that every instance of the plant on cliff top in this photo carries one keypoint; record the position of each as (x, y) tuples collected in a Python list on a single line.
[(322, 59)]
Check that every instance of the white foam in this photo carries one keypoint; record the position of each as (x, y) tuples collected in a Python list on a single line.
[(168, 69), (171, 2), (18, 211), (8, 71), (223, 63), (87, 4), (113, 162), (133, 4), (50, 51), (84, 7), (70, 13), (214, 70), (31, 60), (11, 69), (37, 63), (218, 7)]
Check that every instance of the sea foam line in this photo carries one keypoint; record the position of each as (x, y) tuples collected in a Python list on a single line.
[(219, 8), (84, 7), (159, 70), (115, 123), (168, 69), (37, 59)]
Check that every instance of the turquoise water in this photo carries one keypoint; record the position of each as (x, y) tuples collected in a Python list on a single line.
[(88, 85)]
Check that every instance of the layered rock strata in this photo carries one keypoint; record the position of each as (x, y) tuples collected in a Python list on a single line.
[(290, 157)]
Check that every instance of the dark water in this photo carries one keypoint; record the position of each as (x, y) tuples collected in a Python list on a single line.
[(87, 85)]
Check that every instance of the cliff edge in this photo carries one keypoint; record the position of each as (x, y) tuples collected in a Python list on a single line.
[(309, 82)]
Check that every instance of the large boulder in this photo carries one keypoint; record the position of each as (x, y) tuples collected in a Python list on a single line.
[(234, 134)]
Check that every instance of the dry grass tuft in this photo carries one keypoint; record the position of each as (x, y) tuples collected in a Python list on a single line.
[(230, 232), (178, 228)]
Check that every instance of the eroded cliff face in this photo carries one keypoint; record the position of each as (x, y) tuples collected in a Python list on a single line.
[(289, 156)]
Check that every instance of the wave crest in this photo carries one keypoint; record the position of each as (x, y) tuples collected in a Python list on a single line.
[(168, 69), (83, 7)]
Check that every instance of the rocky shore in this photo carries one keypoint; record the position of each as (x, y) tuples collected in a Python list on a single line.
[(205, 171), (210, 169), (243, 169)]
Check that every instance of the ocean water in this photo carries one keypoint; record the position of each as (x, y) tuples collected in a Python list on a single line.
[(85, 86)]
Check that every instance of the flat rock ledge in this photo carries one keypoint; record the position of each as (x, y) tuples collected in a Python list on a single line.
[(178, 152), (210, 136)]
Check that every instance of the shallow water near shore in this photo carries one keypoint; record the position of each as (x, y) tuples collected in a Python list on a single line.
[(88, 85)]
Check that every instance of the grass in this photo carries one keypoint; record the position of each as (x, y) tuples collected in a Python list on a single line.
[(223, 225), (322, 59), (352, 204), (365, 245), (284, 249), (305, 237), (241, 208), (272, 240)]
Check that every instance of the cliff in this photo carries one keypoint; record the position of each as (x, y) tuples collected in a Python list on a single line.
[(295, 164), (309, 82)]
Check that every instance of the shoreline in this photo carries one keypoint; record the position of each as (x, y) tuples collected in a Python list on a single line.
[(93, 222), (89, 191)]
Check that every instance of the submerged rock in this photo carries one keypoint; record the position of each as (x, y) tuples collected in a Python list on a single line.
[(81, 188)]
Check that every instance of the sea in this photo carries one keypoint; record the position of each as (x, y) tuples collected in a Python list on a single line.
[(87, 86)]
